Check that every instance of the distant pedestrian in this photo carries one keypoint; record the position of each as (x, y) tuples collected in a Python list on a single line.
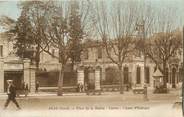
[(11, 91), (26, 89), (86, 86), (80, 87), (22, 90), (37, 86)]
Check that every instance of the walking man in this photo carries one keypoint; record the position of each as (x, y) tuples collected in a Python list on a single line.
[(11, 91)]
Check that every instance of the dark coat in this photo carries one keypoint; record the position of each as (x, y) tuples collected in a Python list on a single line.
[(27, 88), (12, 92), (37, 86)]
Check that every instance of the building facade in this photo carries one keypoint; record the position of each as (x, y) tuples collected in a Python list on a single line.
[(136, 73), (14, 68), (95, 68)]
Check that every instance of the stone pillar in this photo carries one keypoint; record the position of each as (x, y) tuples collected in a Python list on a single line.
[(26, 72), (142, 76), (151, 76), (32, 71), (29, 75), (1, 76), (80, 75), (103, 74), (97, 78), (130, 77)]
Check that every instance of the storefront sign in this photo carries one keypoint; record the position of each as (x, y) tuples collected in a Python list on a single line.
[(13, 67)]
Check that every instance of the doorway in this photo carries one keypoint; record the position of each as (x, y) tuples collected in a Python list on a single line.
[(126, 80), (16, 76), (89, 78)]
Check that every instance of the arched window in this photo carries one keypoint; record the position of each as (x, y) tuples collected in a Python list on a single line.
[(125, 75), (180, 74), (138, 75), (147, 71)]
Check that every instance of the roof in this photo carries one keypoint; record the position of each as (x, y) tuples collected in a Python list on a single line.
[(157, 73)]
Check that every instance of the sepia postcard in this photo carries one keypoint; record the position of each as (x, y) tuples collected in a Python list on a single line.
[(91, 58)]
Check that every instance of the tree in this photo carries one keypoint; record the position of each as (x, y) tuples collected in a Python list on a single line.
[(24, 39), (158, 38), (49, 29), (162, 49), (116, 28), (163, 41), (26, 30), (19, 32), (51, 24), (36, 11), (75, 32)]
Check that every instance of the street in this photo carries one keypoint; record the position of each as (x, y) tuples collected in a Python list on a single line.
[(98, 105)]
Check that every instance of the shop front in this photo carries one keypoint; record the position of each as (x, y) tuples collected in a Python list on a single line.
[(15, 76), (17, 70)]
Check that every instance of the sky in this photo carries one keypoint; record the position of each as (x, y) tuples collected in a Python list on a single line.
[(10, 8)]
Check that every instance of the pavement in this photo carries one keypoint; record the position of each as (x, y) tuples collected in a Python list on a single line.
[(108, 104), (172, 95)]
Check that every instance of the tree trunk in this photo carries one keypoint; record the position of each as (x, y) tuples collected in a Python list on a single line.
[(37, 58), (121, 79), (164, 74), (72, 65), (60, 81)]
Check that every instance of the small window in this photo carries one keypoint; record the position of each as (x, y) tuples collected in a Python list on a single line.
[(138, 75), (180, 74), (99, 53)]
